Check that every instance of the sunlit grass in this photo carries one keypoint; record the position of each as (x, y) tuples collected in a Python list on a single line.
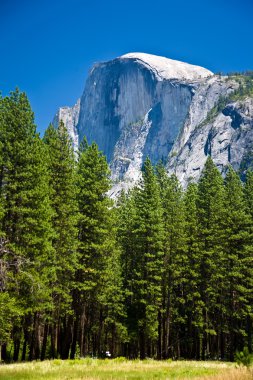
[(95, 369)]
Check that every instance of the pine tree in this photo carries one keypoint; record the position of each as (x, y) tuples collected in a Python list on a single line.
[(248, 193), (148, 261), (210, 204), (26, 221), (98, 298), (238, 251), (126, 237), (248, 196), (175, 264), (63, 190), (112, 299), (194, 304)]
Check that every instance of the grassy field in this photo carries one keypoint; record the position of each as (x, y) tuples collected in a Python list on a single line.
[(94, 369)]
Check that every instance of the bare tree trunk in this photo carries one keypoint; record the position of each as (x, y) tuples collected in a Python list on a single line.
[(81, 332), (24, 347), (142, 343), (44, 343), (159, 341), (53, 341), (37, 331), (67, 338), (74, 338)]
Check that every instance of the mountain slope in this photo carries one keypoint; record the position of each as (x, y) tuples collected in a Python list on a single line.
[(140, 105)]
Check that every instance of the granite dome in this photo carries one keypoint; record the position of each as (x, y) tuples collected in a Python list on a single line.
[(140, 105), (166, 68)]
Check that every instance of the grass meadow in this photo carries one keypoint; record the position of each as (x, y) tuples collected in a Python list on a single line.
[(120, 368)]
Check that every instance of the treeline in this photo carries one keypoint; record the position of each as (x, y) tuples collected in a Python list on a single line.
[(163, 273)]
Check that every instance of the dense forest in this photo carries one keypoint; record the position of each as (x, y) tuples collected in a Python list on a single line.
[(163, 273)]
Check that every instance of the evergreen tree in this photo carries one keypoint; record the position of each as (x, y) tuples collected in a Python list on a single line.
[(62, 172), (165, 273), (148, 261), (98, 299), (127, 224), (26, 220), (175, 264), (210, 204), (194, 304), (248, 195), (238, 262)]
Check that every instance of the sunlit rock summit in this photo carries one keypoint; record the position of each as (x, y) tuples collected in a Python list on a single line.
[(140, 105)]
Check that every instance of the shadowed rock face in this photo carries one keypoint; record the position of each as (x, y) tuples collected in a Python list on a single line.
[(135, 106), (117, 98), (117, 94), (228, 139), (141, 105)]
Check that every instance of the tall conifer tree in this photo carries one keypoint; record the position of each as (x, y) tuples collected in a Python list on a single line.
[(98, 298), (238, 260), (210, 204), (175, 263), (62, 172), (248, 195), (26, 221), (148, 268), (194, 304)]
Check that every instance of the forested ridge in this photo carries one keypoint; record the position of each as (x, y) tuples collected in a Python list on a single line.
[(163, 273)]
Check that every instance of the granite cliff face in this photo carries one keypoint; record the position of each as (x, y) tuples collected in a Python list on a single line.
[(69, 116), (228, 139), (142, 105)]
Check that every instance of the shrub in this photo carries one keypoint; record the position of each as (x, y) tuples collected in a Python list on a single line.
[(244, 357)]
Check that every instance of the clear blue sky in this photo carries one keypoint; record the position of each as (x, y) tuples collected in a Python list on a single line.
[(48, 46)]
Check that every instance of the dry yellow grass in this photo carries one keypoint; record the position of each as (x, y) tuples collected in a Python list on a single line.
[(121, 369), (234, 374)]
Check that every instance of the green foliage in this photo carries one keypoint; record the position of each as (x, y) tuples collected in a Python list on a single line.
[(141, 238), (163, 273), (94, 215), (62, 177), (98, 277), (26, 221), (9, 311), (244, 357), (238, 256)]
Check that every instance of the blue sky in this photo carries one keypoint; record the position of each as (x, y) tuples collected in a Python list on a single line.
[(47, 47)]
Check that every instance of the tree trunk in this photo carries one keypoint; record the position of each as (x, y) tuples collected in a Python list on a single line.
[(44, 343), (74, 339), (249, 332), (53, 341), (4, 352), (81, 332), (23, 358), (67, 338), (16, 349), (159, 341), (142, 342), (37, 336)]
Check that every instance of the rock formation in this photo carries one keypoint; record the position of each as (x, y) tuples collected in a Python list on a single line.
[(140, 105)]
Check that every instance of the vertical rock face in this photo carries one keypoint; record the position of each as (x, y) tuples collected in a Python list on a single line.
[(116, 94), (69, 116), (228, 139), (135, 106), (140, 105)]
